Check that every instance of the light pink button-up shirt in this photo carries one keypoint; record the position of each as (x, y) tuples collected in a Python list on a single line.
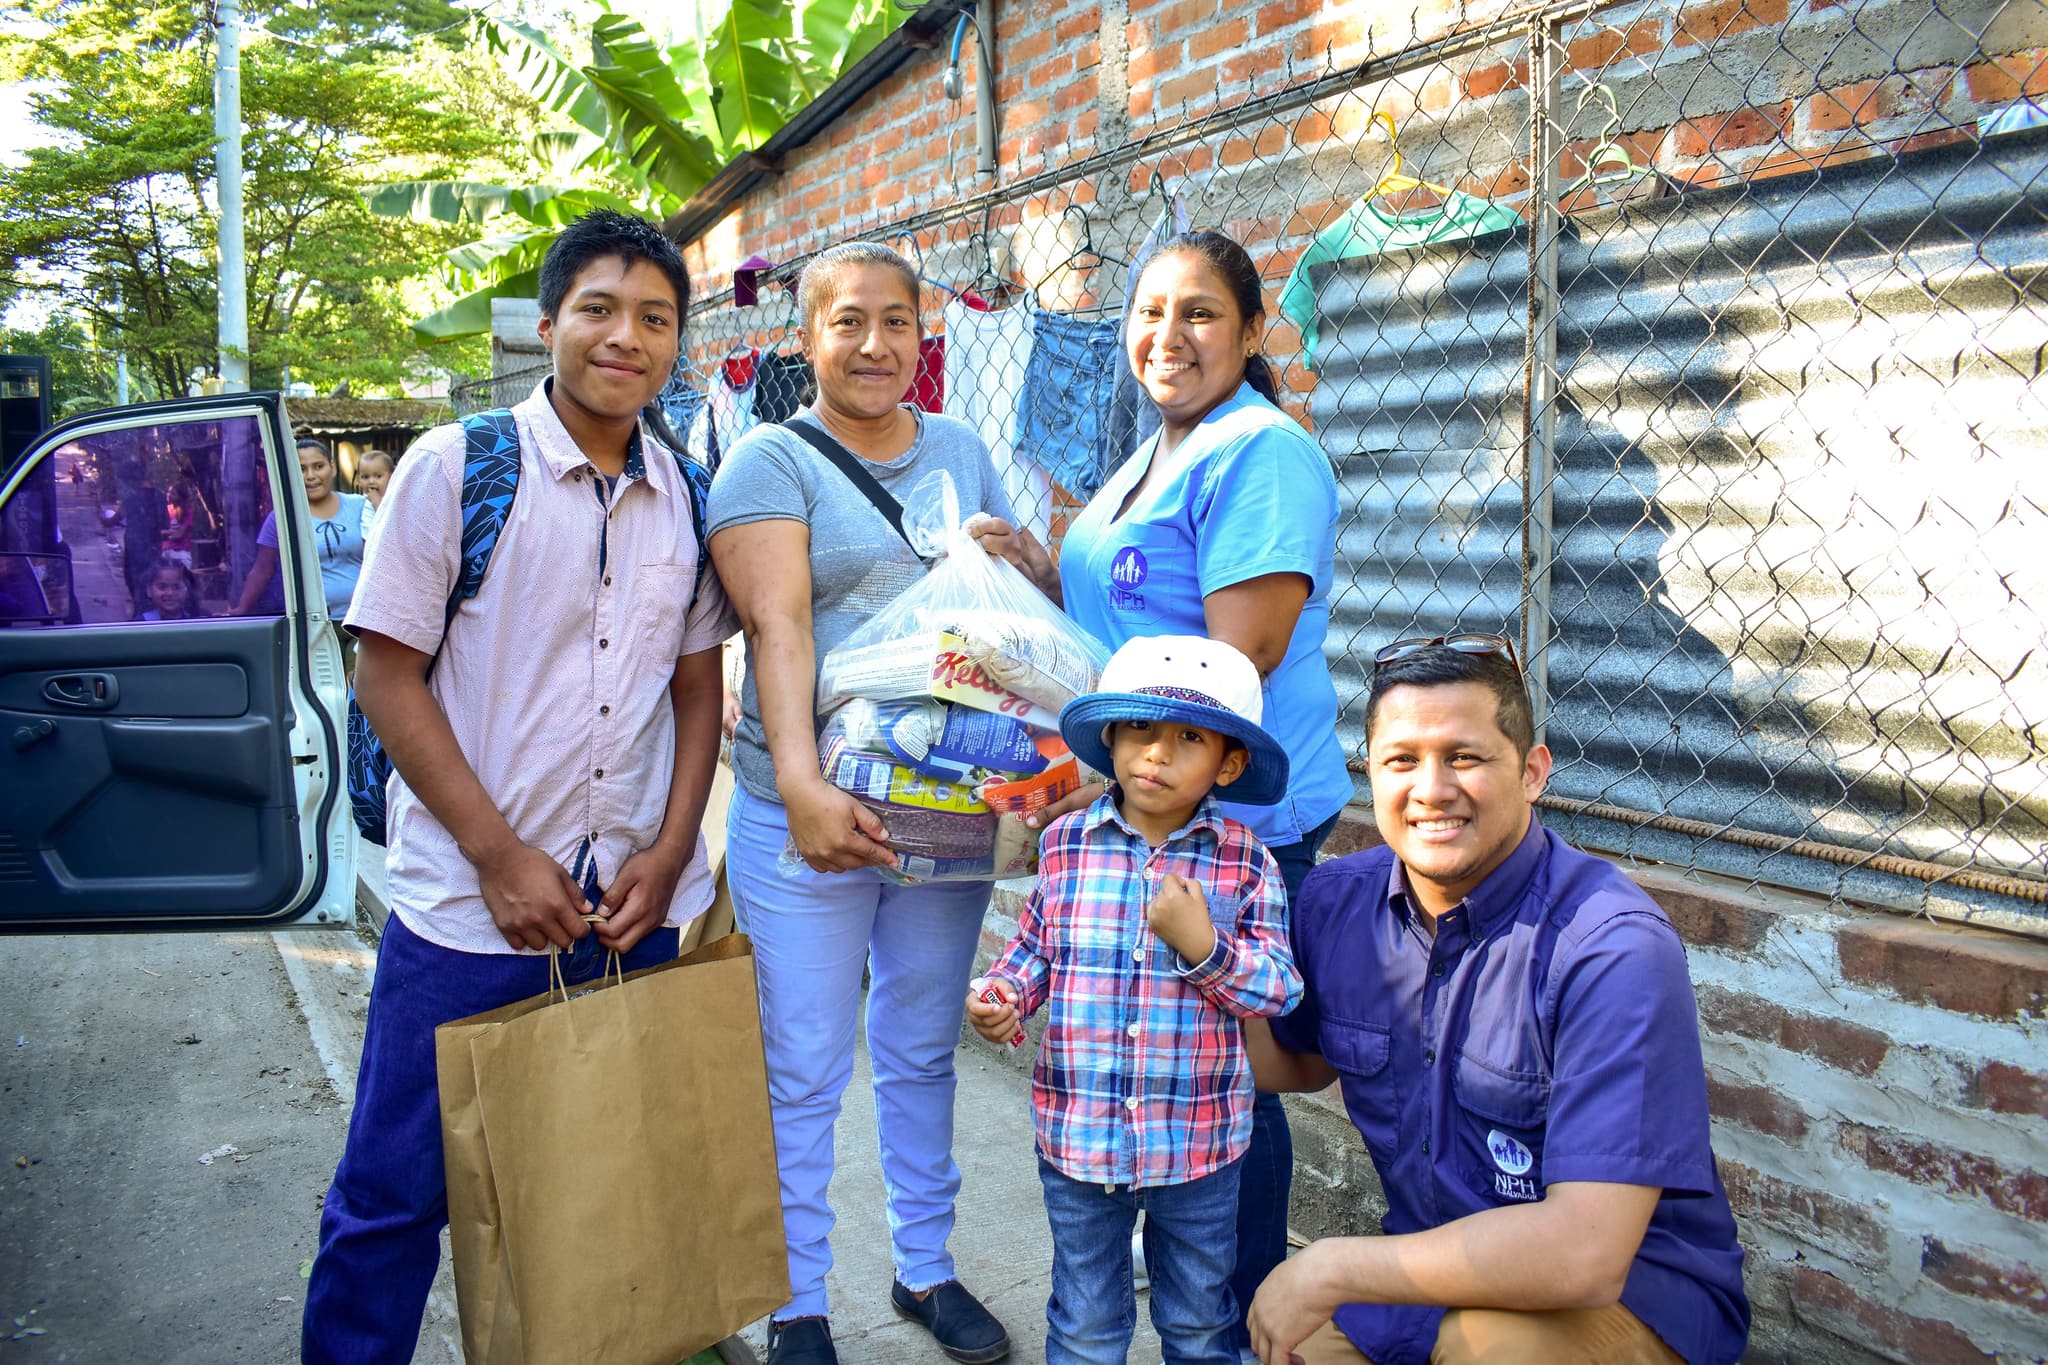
[(555, 675)]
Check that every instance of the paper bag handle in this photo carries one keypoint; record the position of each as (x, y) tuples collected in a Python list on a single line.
[(556, 986)]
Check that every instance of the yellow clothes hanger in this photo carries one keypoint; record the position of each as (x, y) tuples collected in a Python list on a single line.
[(1394, 180)]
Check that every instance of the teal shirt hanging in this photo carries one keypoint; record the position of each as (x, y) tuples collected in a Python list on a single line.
[(1366, 229)]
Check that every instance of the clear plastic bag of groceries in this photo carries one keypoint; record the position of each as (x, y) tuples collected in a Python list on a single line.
[(974, 631), (948, 819)]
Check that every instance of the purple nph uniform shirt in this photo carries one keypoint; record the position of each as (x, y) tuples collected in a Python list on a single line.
[(1547, 1033)]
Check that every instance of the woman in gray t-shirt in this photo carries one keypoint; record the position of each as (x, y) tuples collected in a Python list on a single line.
[(805, 558)]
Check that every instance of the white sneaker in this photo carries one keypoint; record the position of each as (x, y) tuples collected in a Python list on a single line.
[(1139, 1278)]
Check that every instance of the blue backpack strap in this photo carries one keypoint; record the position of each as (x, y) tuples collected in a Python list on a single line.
[(490, 480), (698, 480)]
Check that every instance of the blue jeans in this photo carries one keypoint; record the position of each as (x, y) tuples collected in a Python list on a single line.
[(1067, 423), (1190, 1230), (813, 932), (380, 1230), (1268, 1181)]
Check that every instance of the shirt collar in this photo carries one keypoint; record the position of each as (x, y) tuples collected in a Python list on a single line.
[(1208, 815), (1492, 900), (563, 457)]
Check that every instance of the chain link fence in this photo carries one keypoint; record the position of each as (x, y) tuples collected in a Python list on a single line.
[(503, 389), (1697, 346)]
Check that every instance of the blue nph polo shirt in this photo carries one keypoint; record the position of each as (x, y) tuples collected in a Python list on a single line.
[(1547, 1032), (1245, 494)]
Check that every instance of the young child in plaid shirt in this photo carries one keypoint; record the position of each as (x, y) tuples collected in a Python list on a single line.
[(1158, 923)]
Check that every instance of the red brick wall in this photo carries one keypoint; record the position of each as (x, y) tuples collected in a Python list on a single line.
[(1678, 69)]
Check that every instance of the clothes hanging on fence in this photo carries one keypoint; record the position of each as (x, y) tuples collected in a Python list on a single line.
[(733, 386), (683, 406), (700, 438), (1137, 414), (784, 384), (1366, 229), (746, 280), (985, 363), (1067, 425), (928, 389)]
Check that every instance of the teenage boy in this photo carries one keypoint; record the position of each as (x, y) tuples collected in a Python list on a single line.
[(1157, 925), (554, 747), (1514, 1030)]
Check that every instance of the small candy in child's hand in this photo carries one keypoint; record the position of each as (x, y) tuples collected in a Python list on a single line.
[(988, 994)]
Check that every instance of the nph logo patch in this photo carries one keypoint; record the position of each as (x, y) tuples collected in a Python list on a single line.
[(1129, 568), (1513, 1180), (1508, 1154), (1126, 572)]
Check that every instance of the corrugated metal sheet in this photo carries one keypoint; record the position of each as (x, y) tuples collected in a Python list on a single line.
[(1801, 508)]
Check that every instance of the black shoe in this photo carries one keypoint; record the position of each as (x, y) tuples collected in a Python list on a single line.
[(963, 1328), (801, 1341)]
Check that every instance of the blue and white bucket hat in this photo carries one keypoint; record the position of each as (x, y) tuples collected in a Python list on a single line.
[(1185, 678)]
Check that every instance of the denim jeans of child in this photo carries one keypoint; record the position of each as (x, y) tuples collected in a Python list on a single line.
[(1190, 1241), (813, 932)]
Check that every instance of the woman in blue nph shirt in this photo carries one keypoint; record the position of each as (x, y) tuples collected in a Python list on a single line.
[(1223, 524)]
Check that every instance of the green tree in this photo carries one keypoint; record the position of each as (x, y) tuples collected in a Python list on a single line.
[(639, 126), (118, 219)]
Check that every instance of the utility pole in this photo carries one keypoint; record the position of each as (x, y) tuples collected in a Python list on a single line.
[(233, 289), (120, 358)]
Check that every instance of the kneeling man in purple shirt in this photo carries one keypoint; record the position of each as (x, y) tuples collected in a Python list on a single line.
[(1514, 1031)]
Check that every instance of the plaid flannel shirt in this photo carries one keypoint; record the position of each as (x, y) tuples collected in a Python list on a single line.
[(1141, 1077)]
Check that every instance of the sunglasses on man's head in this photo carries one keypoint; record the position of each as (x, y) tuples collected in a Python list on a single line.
[(1464, 641)]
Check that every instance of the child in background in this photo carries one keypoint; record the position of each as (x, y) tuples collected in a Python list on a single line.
[(373, 476), (172, 591), (1157, 925)]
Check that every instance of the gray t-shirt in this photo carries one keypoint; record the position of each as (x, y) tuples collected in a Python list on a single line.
[(858, 562)]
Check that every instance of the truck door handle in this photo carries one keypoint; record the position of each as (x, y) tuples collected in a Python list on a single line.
[(83, 691)]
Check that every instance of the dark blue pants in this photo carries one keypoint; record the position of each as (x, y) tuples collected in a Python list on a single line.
[(1268, 1172), (380, 1232)]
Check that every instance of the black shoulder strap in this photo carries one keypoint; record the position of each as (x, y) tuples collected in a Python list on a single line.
[(851, 465)]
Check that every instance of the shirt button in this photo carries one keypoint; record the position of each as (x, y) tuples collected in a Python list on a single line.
[(607, 644), (1438, 971), (1137, 954), (604, 710), (1429, 1057), (1132, 1030), (1425, 1146), (599, 773), (607, 580), (1131, 1103)]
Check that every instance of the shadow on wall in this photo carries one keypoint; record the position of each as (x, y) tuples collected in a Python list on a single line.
[(1793, 590)]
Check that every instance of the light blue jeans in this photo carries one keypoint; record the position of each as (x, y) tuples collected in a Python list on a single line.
[(1190, 1240), (812, 933)]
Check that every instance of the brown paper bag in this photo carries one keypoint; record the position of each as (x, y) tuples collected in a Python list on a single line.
[(612, 1192), (718, 921)]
